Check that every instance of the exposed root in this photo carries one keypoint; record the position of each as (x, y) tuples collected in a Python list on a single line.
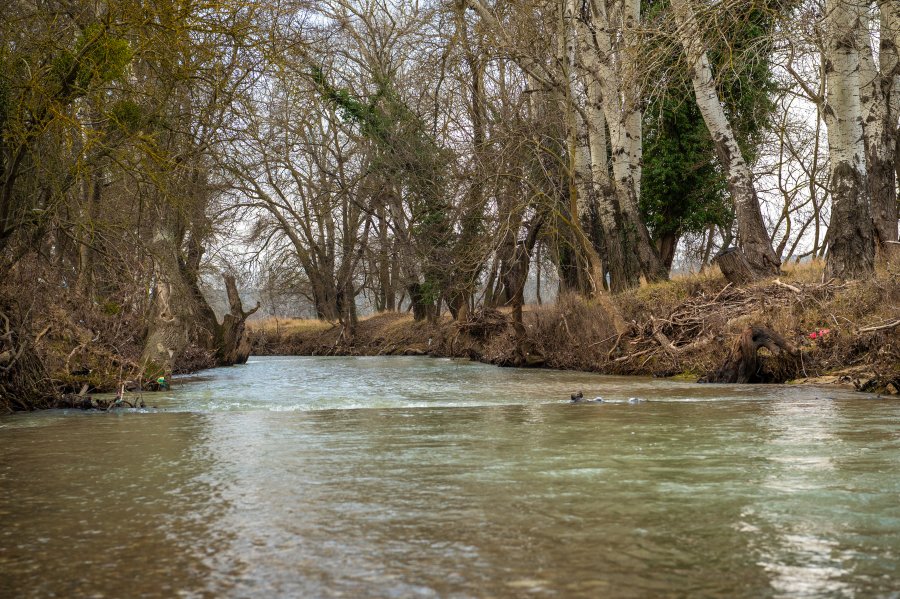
[(743, 365)]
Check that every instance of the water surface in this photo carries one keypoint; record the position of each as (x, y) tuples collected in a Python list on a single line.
[(417, 477)]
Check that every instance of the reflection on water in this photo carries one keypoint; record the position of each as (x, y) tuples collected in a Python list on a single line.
[(460, 480)]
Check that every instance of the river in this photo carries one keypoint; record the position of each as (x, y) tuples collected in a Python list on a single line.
[(421, 477)]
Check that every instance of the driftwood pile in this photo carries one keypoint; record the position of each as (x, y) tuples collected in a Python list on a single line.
[(483, 323), (693, 325)]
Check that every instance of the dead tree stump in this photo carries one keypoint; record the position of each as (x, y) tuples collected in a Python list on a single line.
[(742, 364), (735, 267), (234, 346)]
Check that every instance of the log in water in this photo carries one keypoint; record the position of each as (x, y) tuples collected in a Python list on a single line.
[(380, 477)]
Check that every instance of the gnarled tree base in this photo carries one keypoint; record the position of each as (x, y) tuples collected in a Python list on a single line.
[(233, 344), (735, 267), (743, 364)]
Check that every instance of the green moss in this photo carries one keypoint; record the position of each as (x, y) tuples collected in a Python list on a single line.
[(111, 308), (687, 375)]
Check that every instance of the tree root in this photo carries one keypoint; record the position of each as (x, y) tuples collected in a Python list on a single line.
[(742, 364)]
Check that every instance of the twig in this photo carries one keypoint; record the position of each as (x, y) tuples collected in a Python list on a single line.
[(721, 292), (72, 353), (879, 327), (661, 338), (42, 333), (786, 286), (615, 345), (648, 358), (603, 340), (634, 355)]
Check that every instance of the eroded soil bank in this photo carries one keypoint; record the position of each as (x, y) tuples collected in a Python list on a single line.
[(844, 333)]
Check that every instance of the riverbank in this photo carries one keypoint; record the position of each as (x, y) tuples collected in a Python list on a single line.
[(844, 333)]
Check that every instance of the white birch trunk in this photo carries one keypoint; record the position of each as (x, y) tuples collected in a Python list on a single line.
[(634, 115), (579, 163), (850, 234), (622, 264), (577, 127), (890, 61), (753, 238), (583, 172), (606, 85)]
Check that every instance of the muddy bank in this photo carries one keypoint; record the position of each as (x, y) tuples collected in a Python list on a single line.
[(843, 333)]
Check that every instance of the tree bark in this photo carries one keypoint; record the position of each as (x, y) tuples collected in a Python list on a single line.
[(628, 248), (168, 332), (880, 99), (735, 267), (93, 186), (608, 90), (667, 243), (850, 236)]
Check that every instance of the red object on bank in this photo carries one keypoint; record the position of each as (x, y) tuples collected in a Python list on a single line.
[(819, 333)]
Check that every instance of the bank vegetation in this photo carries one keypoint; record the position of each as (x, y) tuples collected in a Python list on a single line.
[(830, 332)]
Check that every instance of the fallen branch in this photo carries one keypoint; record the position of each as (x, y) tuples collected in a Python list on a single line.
[(786, 286), (661, 338), (634, 355), (615, 346), (879, 327), (718, 295), (73, 352), (42, 333)]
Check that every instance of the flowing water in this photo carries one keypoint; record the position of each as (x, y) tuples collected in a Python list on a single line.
[(418, 477)]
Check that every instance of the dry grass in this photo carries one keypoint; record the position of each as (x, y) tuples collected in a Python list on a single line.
[(288, 326), (806, 272), (573, 333)]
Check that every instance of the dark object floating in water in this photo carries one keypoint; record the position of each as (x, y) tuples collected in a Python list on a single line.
[(579, 398)]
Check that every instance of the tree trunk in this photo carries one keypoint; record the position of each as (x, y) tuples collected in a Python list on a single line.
[(205, 330), (234, 346), (325, 296), (602, 58), (753, 239), (850, 234), (93, 187), (880, 98), (735, 267), (168, 328), (421, 307), (622, 263), (667, 244), (385, 288)]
